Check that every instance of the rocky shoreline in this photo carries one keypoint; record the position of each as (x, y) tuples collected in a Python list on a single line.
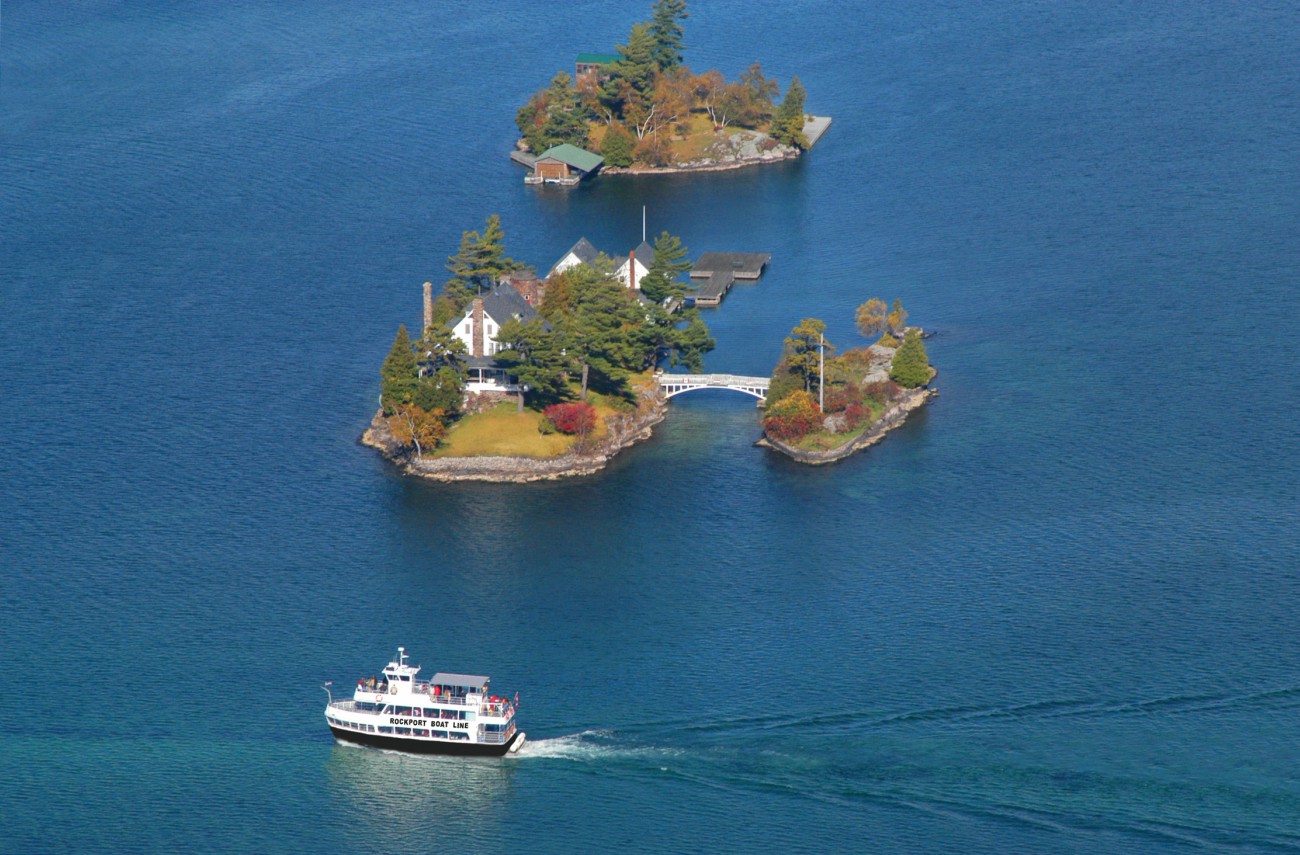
[(889, 420), (624, 431)]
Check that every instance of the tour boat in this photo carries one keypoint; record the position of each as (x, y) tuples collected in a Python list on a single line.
[(449, 714)]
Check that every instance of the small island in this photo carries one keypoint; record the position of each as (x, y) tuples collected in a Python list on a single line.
[(519, 378), (641, 110), (822, 407)]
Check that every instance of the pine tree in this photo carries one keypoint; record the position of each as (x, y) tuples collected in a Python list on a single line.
[(669, 262), (666, 29), (480, 261), (399, 374), (787, 126), (911, 366)]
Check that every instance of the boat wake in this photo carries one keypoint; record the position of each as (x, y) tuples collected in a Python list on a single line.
[(587, 746)]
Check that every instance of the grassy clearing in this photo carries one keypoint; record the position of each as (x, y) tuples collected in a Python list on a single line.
[(503, 432)]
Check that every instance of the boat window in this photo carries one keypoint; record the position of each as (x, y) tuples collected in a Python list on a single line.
[(406, 677)]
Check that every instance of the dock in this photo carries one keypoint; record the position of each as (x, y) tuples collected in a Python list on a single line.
[(720, 270), (523, 158), (814, 127)]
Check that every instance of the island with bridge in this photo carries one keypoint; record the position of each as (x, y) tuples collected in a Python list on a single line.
[(517, 377)]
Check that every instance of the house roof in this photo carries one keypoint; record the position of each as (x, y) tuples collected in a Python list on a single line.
[(578, 158), (598, 58), (503, 303), (645, 253), (582, 250)]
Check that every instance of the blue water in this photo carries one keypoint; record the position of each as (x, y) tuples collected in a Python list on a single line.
[(1056, 612)]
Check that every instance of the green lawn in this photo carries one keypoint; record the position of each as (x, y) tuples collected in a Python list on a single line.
[(503, 432)]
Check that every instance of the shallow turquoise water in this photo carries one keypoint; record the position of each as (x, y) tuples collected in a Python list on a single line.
[(1053, 613)]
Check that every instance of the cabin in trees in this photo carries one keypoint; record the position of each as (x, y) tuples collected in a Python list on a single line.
[(564, 164), (629, 269), (593, 67), (478, 329)]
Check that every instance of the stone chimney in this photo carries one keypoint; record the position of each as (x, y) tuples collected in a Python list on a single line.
[(631, 269), (428, 307), (476, 347)]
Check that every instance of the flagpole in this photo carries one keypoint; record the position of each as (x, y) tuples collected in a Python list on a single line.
[(643, 224)]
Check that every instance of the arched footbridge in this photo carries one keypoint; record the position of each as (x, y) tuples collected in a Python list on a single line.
[(676, 384)]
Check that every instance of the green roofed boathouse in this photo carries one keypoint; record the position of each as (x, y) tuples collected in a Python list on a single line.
[(564, 164)]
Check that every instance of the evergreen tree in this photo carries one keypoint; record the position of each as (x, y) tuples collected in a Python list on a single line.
[(911, 366), (491, 251), (440, 391), (787, 126), (564, 122), (617, 146), (399, 374), (536, 358), (480, 261), (666, 29), (668, 263), (631, 78), (691, 342)]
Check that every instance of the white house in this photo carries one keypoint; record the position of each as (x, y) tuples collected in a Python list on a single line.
[(629, 270), (478, 328)]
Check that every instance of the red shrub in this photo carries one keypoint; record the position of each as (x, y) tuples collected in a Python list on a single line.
[(574, 418), (855, 414), (793, 416)]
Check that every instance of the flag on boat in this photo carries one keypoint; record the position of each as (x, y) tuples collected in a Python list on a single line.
[(329, 682), (516, 699)]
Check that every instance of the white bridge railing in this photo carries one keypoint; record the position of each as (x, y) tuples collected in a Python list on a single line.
[(676, 384)]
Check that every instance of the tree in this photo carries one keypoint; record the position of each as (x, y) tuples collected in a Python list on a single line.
[(668, 263), (616, 147), (787, 126), (871, 317), (911, 365), (756, 93), (691, 342), (604, 330), (802, 348), (535, 357), (440, 390), (897, 318), (563, 122), (480, 260), (418, 428), (666, 29), (399, 374), (632, 76)]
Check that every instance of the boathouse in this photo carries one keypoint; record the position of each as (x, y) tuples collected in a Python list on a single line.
[(564, 164), (593, 67)]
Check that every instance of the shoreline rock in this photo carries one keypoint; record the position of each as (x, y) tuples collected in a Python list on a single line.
[(625, 431)]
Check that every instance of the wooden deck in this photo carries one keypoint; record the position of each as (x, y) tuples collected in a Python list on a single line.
[(720, 270)]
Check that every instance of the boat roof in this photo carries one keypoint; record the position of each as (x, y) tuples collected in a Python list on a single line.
[(441, 679)]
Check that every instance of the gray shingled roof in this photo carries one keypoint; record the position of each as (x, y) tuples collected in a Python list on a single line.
[(645, 254), (503, 303)]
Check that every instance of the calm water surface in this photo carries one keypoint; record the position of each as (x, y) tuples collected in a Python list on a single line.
[(1054, 613)]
